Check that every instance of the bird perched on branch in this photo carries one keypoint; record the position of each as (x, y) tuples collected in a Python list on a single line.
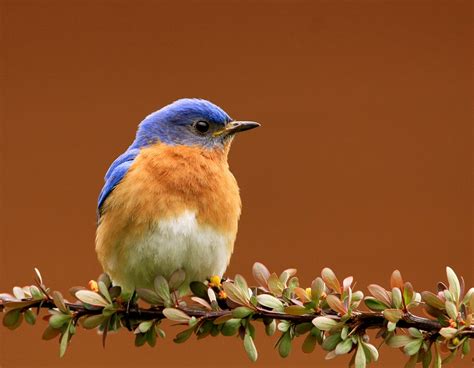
[(170, 201)]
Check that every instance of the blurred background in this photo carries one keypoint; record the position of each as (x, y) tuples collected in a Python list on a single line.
[(363, 164)]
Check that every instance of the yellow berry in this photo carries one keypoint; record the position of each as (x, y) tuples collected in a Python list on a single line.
[(215, 281)]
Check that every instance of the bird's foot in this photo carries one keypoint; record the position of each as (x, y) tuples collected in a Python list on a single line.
[(131, 304)]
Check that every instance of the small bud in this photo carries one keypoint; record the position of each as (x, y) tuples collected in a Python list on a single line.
[(93, 285), (222, 295), (215, 281)]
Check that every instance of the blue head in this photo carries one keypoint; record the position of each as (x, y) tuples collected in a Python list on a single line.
[(191, 122)]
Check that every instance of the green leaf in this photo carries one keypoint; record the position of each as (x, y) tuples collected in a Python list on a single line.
[(270, 328), (176, 315), (105, 279), (451, 310), (241, 283), (454, 286), (374, 304), (374, 353), (177, 279), (36, 293), (426, 359), (397, 300), (104, 291), (222, 319), (437, 361), (30, 317), (336, 304), (63, 342), (19, 293), (109, 310), (309, 343), (284, 347), (149, 296), (399, 341), (380, 293), (343, 347), (302, 328), (468, 299), (416, 333), (331, 280), (408, 293), (466, 348), (236, 294), (331, 341), (151, 337), (58, 320), (231, 327), (344, 332), (93, 321), (38, 276), (115, 291), (396, 280), (391, 326), (242, 312), (411, 363), (12, 319), (296, 310), (250, 347), (448, 332), (317, 288), (59, 302), (162, 289), (270, 301), (324, 323), (293, 283), (199, 289), (145, 326), (89, 297), (50, 333), (140, 339), (286, 274), (275, 286), (360, 360), (393, 315), (260, 274), (413, 346), (183, 336), (432, 300)]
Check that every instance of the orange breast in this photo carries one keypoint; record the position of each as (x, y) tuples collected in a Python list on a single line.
[(162, 183)]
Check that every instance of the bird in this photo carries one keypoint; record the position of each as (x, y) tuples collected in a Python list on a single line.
[(170, 201)]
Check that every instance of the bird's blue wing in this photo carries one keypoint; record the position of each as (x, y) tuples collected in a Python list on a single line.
[(115, 174)]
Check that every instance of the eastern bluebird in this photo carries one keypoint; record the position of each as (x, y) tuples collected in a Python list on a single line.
[(170, 201)]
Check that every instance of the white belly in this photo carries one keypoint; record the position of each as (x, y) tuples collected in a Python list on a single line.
[(168, 246)]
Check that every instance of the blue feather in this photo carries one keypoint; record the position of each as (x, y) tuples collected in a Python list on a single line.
[(115, 174)]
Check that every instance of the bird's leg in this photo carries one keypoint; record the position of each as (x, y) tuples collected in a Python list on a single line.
[(130, 304)]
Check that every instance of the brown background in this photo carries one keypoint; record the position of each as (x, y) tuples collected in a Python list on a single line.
[(364, 163)]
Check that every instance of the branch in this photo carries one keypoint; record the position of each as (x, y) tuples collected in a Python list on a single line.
[(327, 313)]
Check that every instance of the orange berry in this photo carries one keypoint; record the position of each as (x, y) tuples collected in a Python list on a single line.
[(222, 294), (93, 285)]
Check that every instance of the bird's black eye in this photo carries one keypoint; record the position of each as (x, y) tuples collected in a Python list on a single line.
[(202, 126)]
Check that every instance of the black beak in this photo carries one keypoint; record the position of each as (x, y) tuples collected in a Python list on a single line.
[(239, 126)]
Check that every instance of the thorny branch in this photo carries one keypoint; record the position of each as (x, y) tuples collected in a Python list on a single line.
[(327, 313)]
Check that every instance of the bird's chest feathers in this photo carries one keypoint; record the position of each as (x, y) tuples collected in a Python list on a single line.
[(181, 242), (167, 182)]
